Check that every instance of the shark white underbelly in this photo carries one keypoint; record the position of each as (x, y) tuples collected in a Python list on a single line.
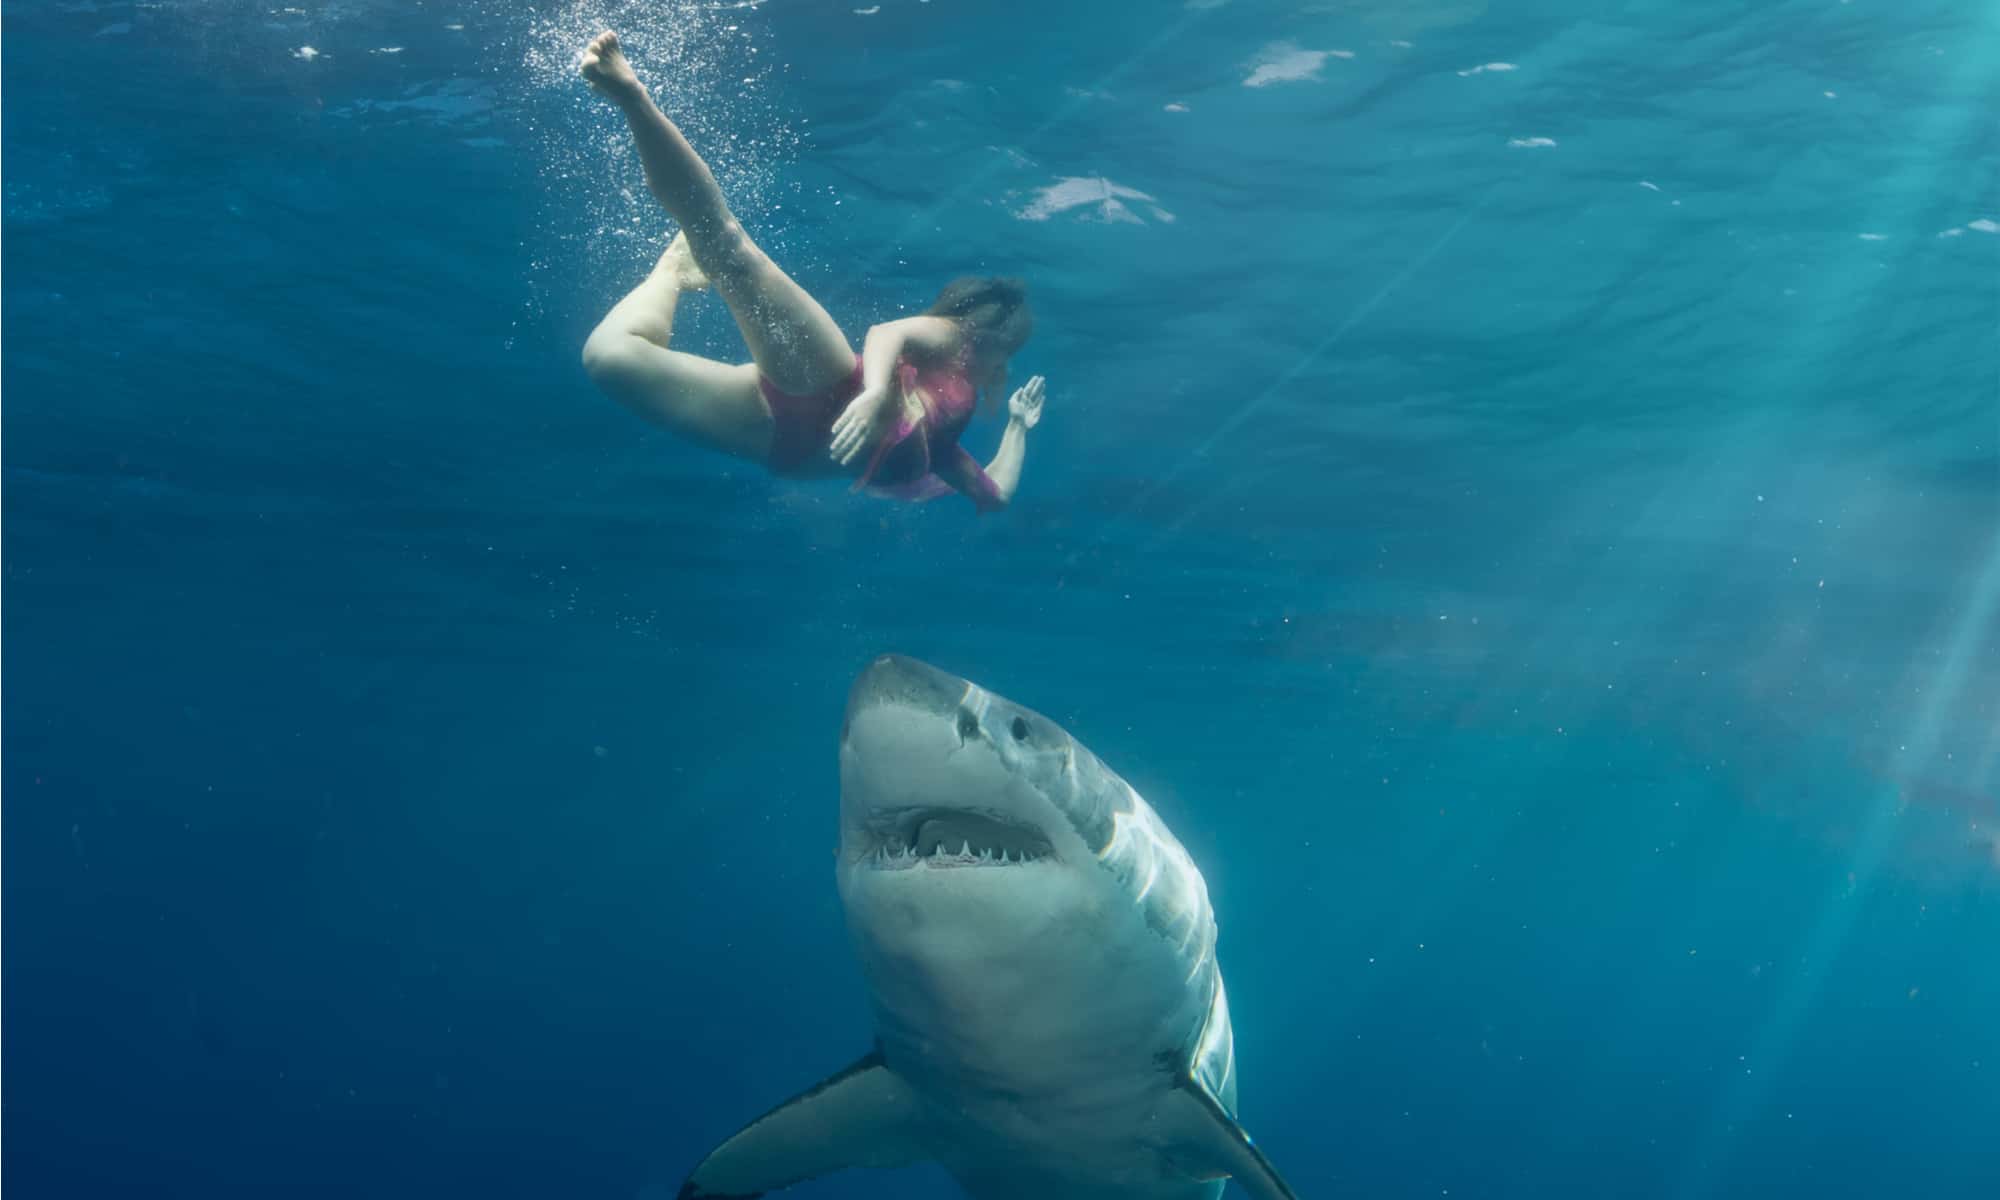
[(1040, 953)]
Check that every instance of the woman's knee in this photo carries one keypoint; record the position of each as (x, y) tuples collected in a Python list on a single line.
[(601, 350), (615, 358)]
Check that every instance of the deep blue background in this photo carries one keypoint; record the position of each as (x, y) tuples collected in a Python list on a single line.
[(1554, 590)]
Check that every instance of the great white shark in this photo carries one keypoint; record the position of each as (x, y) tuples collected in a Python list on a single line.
[(1039, 949)]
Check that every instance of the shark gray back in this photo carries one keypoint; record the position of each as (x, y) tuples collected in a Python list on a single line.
[(1039, 949)]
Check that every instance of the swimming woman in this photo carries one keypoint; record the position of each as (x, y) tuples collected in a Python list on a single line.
[(807, 404)]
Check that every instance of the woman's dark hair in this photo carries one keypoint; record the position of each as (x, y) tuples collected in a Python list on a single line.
[(994, 311)]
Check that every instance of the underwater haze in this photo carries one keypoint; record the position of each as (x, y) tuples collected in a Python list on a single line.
[(1519, 494)]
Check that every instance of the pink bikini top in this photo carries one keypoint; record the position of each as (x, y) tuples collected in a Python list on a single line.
[(919, 457)]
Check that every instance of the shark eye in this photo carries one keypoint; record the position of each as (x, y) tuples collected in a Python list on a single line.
[(968, 726), (1020, 729)]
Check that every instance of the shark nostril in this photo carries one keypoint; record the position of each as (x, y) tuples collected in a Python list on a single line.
[(968, 725)]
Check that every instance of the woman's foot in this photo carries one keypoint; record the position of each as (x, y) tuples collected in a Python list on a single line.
[(604, 66), (678, 262)]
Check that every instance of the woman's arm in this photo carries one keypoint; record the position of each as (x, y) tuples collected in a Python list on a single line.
[(1005, 469), (992, 489), (879, 352), (861, 422), (1023, 411)]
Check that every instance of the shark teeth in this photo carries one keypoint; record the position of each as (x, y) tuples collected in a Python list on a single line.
[(898, 853)]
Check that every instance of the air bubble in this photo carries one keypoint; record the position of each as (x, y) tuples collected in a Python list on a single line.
[(701, 71)]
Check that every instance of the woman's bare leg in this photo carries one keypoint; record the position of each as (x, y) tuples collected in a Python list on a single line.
[(793, 340), (627, 355), (648, 312)]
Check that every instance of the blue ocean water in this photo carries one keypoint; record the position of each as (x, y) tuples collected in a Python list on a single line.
[(1520, 494)]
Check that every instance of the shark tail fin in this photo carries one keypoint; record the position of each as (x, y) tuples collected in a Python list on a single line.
[(864, 1116), (1208, 1143)]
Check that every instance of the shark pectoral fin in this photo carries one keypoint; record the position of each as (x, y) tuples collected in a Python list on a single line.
[(1208, 1143), (863, 1117)]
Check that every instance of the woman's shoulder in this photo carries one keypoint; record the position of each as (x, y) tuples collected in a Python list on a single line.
[(929, 339)]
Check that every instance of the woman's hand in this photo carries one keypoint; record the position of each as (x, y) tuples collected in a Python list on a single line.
[(1026, 405), (859, 424)]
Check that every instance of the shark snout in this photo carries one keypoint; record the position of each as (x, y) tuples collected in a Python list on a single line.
[(894, 679)]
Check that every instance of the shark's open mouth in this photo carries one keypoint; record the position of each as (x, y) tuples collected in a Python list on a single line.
[(954, 837)]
